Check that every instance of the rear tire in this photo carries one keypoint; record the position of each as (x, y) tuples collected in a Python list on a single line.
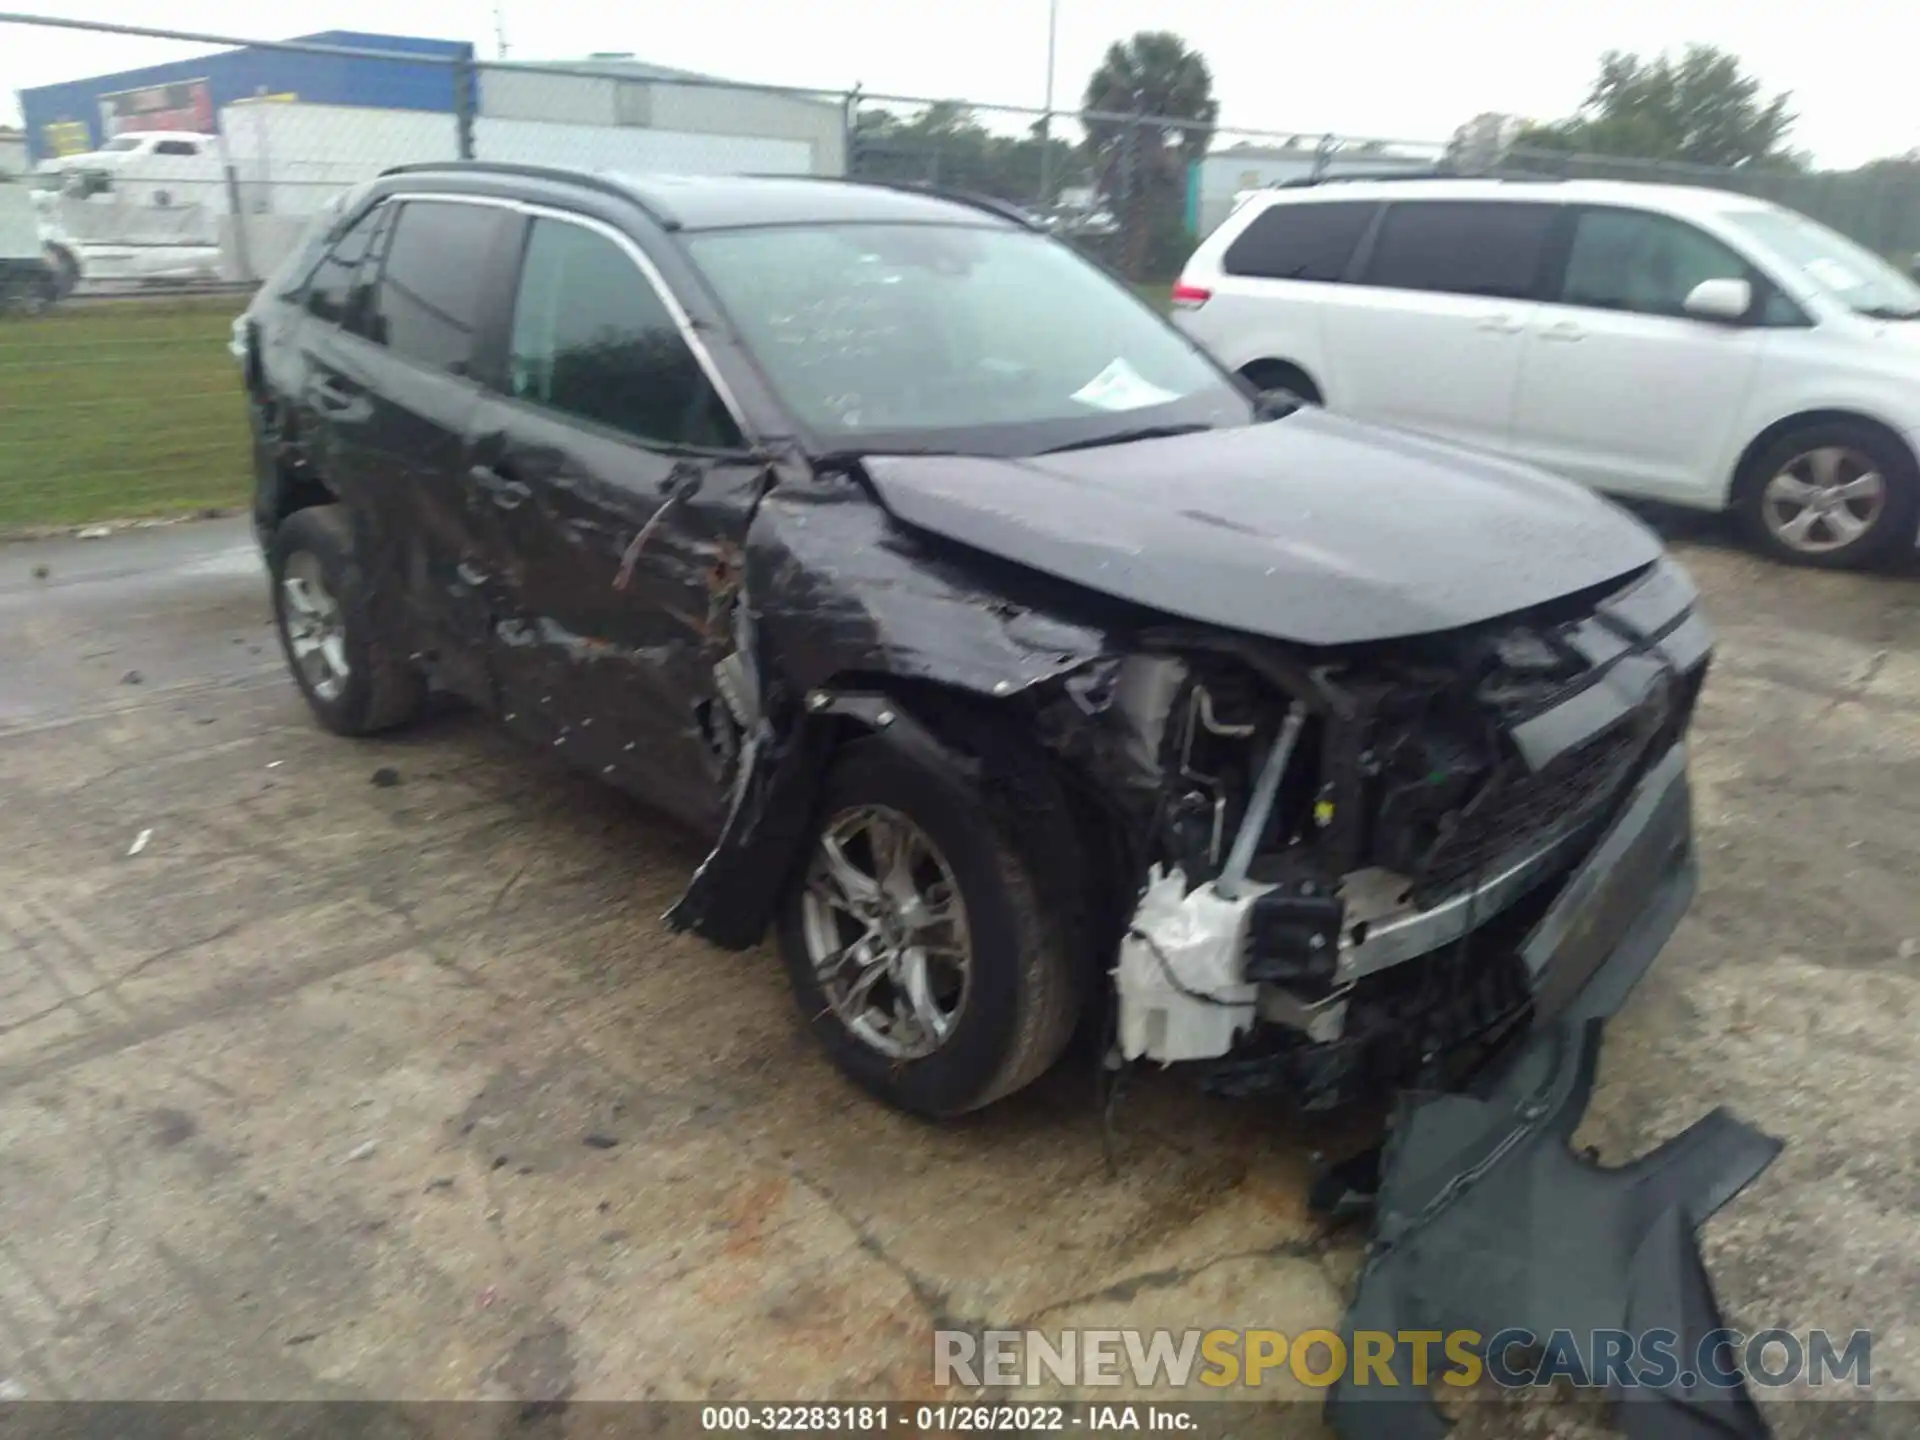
[(354, 678), (1833, 495), (1012, 1013), (1279, 375)]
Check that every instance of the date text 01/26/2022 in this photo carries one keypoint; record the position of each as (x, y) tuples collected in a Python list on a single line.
[(941, 1419)]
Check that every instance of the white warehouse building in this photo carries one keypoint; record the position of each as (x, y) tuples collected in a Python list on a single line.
[(701, 123)]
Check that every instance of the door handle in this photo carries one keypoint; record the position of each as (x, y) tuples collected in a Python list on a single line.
[(1565, 330), (505, 493), (1501, 325), (331, 396)]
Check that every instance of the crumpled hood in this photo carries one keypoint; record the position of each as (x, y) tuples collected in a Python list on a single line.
[(1311, 528)]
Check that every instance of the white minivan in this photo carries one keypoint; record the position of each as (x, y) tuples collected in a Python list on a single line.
[(1691, 346)]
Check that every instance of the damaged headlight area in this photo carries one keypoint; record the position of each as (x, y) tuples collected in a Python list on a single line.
[(1350, 854)]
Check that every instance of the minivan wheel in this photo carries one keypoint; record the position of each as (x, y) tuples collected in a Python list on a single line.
[(66, 271), (26, 292), (1279, 375), (353, 680), (1832, 495), (921, 950)]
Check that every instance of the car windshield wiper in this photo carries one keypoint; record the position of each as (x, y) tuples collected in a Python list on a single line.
[(1127, 437), (1890, 312)]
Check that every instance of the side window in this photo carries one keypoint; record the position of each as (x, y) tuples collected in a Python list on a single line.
[(1643, 263), (1310, 240), (592, 338), (332, 279), (360, 316), (176, 147), (1462, 247), (431, 287)]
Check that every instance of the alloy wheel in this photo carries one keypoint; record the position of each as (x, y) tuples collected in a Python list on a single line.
[(1824, 499), (886, 932), (316, 630)]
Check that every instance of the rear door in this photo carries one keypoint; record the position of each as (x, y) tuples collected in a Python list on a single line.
[(612, 486), (1432, 337), (1621, 388), (439, 288)]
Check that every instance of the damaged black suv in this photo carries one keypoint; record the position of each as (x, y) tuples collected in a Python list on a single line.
[(1027, 668)]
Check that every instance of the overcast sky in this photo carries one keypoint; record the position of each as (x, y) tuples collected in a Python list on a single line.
[(1392, 69)]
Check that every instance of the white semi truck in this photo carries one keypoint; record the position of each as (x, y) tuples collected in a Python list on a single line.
[(28, 280)]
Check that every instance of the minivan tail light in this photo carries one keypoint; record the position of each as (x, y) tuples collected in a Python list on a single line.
[(1190, 297)]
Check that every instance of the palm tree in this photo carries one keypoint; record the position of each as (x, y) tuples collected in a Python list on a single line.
[(1141, 163)]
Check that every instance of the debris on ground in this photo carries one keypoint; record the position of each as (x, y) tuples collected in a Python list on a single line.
[(487, 1297), (599, 1142), (275, 764), (139, 842), (364, 1150), (132, 677), (1487, 1217), (41, 572), (94, 532), (386, 777), (440, 1182)]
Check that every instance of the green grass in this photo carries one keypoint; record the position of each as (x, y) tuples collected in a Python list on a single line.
[(125, 409), (120, 410)]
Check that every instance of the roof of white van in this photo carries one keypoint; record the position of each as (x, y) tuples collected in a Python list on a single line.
[(1674, 199)]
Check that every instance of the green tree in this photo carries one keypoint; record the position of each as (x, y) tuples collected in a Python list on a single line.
[(946, 145), (1701, 108), (1140, 164)]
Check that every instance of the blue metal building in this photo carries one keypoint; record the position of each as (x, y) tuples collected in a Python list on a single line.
[(80, 115)]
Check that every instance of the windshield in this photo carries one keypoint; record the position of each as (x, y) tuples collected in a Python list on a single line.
[(1851, 274), (957, 337), (122, 142)]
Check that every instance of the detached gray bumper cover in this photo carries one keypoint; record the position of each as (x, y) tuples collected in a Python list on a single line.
[(1487, 1220)]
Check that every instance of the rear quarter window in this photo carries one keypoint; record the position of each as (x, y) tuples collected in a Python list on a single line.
[(1306, 241)]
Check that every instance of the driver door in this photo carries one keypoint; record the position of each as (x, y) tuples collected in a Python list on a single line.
[(604, 428)]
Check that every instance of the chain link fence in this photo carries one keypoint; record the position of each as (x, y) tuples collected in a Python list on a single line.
[(160, 194)]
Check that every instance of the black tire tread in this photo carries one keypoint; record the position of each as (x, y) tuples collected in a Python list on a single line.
[(393, 691), (1897, 522), (1008, 816)]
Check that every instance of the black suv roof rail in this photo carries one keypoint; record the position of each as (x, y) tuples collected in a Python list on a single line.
[(1005, 209), (588, 178), (1306, 182)]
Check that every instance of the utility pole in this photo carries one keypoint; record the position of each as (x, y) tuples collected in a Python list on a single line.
[(1046, 120), (499, 30)]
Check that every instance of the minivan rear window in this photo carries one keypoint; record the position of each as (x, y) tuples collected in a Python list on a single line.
[(1307, 241), (1462, 247)]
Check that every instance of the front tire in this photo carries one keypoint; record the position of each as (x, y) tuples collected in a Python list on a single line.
[(354, 679), (1834, 495), (66, 271), (926, 950), (26, 291)]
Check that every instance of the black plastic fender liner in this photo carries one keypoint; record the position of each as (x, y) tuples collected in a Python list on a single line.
[(732, 896), (1488, 1221)]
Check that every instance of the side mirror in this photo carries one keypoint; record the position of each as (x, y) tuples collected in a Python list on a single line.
[(1913, 265), (1722, 300)]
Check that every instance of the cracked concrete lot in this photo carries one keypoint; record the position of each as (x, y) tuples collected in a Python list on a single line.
[(353, 1090)]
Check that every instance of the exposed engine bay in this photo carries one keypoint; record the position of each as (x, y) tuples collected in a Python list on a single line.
[(1346, 857)]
